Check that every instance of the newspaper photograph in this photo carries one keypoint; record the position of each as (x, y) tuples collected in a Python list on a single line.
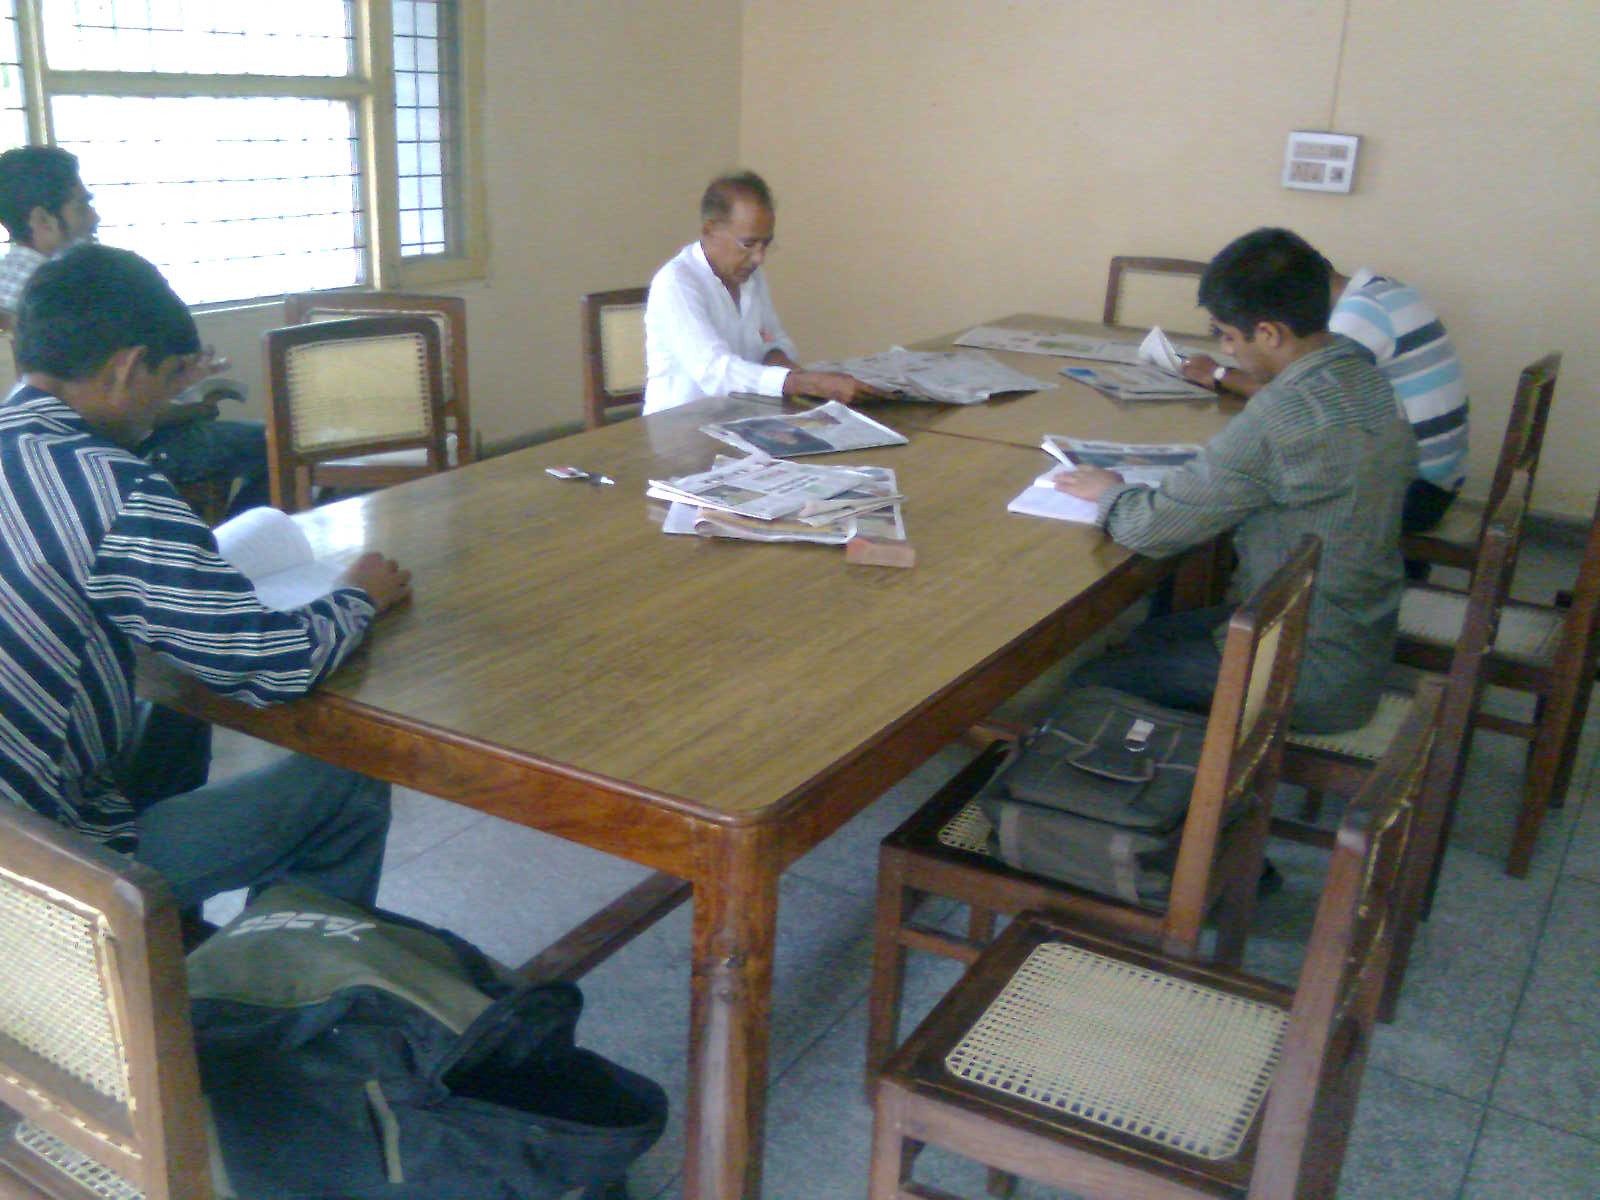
[(823, 430), (1137, 462)]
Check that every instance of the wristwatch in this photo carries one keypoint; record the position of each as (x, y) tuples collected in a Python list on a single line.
[(1217, 377)]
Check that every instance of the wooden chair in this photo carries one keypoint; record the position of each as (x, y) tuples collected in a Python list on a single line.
[(1113, 1072), (943, 848), (1454, 541), (1548, 651), (99, 1094), (613, 352), (1342, 762), (449, 313), (357, 402), (1168, 300)]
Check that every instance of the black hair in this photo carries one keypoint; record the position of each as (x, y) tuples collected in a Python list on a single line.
[(721, 193), (34, 177), (1268, 275), (90, 301)]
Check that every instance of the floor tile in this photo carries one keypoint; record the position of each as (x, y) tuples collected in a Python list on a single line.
[(1517, 1158), (1408, 1140), (419, 823), (1467, 970), (1551, 1071)]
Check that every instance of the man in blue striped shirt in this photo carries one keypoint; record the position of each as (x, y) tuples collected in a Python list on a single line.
[(98, 554)]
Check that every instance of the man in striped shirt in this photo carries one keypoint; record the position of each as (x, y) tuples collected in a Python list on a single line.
[(98, 554), (1321, 448), (1408, 342)]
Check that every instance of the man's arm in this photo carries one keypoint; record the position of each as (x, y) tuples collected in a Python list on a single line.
[(1202, 369), (1194, 503), (158, 578)]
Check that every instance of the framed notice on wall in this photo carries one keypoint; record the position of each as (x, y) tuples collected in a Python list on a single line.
[(1320, 162)]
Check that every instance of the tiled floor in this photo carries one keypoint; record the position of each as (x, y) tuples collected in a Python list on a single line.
[(1487, 1085)]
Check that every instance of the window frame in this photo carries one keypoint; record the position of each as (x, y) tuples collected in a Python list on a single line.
[(370, 87)]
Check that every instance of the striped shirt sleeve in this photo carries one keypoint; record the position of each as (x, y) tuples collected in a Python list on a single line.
[(157, 577)]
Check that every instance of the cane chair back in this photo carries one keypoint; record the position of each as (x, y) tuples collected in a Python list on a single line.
[(944, 848), (1548, 651), (1112, 1071), (99, 1094), (1155, 291), (1454, 542), (449, 313), (359, 388), (613, 352)]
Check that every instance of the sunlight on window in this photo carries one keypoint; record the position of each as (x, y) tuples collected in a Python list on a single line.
[(200, 37), (427, 134), (13, 115), (232, 198)]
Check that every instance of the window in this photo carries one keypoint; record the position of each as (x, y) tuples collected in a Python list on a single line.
[(256, 149)]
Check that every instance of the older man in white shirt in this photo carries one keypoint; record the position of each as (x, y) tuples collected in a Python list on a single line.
[(710, 327)]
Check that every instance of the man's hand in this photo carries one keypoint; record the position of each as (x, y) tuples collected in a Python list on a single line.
[(1201, 369), (1088, 483), (831, 385), (380, 578)]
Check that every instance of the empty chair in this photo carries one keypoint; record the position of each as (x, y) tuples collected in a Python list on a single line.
[(99, 1094), (612, 325), (1155, 291), (357, 402), (1548, 651), (943, 849), (1114, 1072), (449, 313), (1454, 541)]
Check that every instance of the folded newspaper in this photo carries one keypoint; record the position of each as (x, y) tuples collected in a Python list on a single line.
[(831, 427), (870, 508), (1146, 463), (1157, 373), (942, 376), (1071, 345)]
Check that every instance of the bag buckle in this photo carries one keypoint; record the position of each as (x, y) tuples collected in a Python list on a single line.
[(1137, 739)]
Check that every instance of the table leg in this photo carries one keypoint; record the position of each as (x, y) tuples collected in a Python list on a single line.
[(730, 1010)]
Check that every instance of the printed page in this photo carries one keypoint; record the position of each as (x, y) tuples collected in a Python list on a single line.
[(943, 376), (830, 427), (758, 486), (1041, 499), (273, 552)]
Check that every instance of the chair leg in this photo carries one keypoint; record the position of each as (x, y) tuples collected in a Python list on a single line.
[(1237, 905), (895, 902), (1311, 806), (1544, 766), (1001, 1183), (980, 925), (892, 1154)]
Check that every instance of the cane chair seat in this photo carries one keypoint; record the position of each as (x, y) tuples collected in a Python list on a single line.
[(94, 1178), (1369, 742), (968, 830), (1529, 632), (1114, 1043)]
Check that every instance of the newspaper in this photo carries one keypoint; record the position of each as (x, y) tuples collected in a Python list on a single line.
[(765, 488), (942, 376), (1137, 382), (1069, 345), (871, 518), (831, 427), (1144, 463)]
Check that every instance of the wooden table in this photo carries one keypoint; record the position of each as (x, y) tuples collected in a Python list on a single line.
[(710, 709)]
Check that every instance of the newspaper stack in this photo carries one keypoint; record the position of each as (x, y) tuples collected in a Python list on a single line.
[(942, 376), (762, 499)]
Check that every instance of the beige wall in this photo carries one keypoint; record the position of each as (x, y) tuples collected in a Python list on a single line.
[(938, 161), (602, 122)]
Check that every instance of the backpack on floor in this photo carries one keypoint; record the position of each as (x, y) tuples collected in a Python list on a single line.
[(351, 1053)]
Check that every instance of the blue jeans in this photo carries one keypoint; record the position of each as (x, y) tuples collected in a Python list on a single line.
[(1171, 660), (298, 819)]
